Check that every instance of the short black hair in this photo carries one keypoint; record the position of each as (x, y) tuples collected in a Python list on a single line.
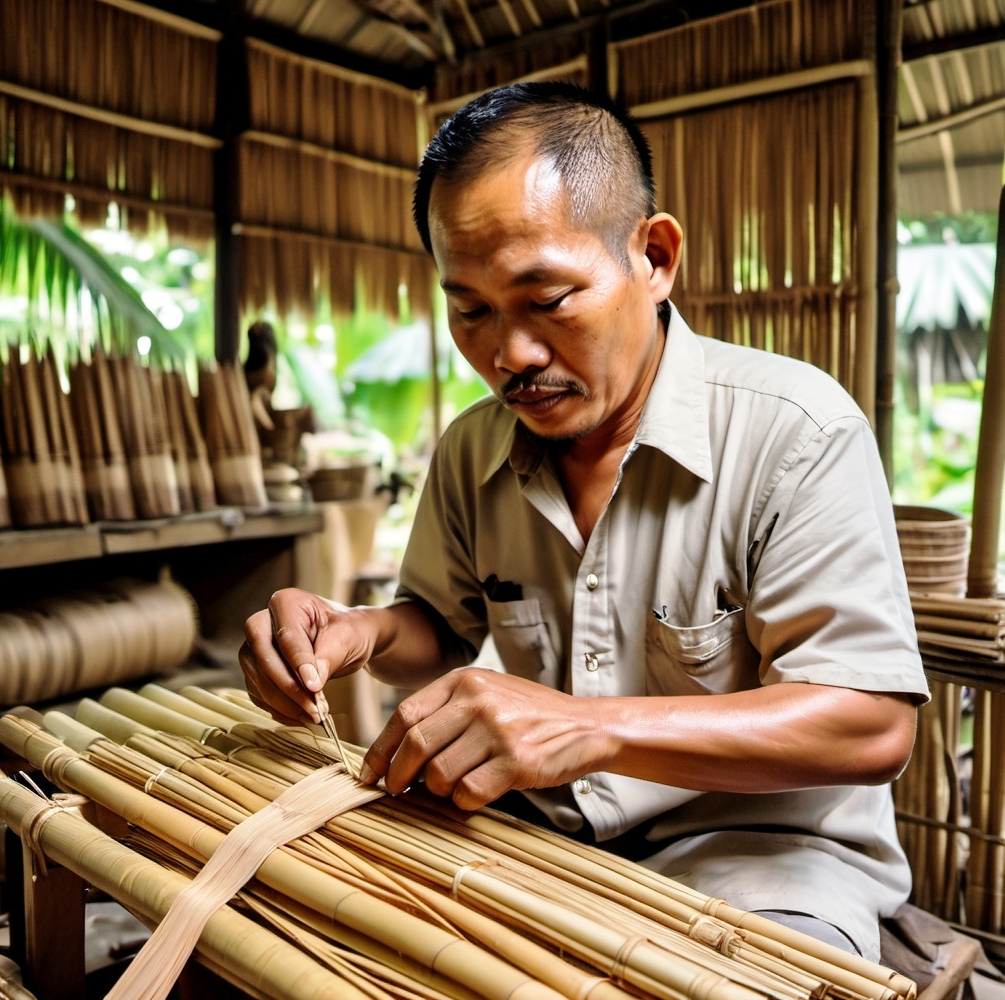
[(597, 148)]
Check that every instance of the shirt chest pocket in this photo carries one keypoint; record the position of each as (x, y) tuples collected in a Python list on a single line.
[(521, 638), (700, 659)]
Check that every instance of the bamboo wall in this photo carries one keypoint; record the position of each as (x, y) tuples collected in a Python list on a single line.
[(74, 74), (326, 174), (769, 189)]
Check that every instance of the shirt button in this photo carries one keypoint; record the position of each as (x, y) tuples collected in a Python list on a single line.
[(592, 663), (582, 786), (592, 581)]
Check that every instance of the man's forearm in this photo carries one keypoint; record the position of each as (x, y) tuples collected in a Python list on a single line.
[(414, 645), (768, 739)]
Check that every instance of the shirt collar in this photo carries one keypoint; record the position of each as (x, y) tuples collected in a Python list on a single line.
[(674, 419)]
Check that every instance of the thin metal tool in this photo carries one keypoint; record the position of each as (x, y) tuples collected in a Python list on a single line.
[(329, 727)]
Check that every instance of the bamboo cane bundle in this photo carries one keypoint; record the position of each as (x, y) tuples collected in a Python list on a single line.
[(151, 469), (183, 420), (231, 439), (86, 639), (471, 904), (961, 627), (103, 457), (39, 447)]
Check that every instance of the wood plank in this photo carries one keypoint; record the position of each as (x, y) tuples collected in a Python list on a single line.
[(40, 546), (54, 930)]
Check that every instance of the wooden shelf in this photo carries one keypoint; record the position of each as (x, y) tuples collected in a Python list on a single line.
[(19, 548)]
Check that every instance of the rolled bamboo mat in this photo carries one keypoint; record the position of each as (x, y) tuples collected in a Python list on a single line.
[(123, 630), (144, 430), (408, 897), (231, 438), (41, 461), (99, 432)]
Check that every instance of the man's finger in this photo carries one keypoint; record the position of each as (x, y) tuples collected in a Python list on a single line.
[(293, 634)]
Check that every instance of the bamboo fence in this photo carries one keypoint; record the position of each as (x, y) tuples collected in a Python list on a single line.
[(393, 898), (41, 460), (88, 639), (231, 437)]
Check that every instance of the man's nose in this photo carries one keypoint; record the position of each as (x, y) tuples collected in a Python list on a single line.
[(519, 349)]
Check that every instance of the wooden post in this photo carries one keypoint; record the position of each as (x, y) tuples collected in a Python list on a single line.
[(889, 33), (231, 121), (54, 930), (982, 575)]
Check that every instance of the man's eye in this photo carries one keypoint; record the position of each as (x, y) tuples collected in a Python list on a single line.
[(470, 314), (550, 305)]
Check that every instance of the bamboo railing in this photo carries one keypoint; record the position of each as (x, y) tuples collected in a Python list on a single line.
[(403, 897)]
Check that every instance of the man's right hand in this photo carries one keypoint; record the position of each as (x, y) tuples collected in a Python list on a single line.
[(295, 645)]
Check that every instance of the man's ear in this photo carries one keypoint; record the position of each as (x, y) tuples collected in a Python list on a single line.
[(663, 249)]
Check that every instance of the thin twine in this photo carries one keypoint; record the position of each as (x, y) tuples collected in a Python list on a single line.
[(38, 815), (455, 885)]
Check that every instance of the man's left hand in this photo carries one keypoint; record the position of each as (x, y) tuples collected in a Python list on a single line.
[(475, 734)]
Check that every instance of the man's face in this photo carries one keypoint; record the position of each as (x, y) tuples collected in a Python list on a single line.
[(559, 330)]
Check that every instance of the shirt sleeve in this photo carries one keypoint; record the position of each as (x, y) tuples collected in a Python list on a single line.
[(828, 596), (437, 567)]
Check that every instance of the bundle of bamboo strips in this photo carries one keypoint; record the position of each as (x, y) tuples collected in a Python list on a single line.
[(231, 438), (144, 430), (88, 639), (187, 444), (103, 455), (39, 447), (966, 627), (407, 897)]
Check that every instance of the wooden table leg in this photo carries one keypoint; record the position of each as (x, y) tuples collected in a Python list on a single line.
[(54, 966)]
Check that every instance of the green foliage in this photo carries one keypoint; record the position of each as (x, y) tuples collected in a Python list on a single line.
[(59, 289), (970, 227)]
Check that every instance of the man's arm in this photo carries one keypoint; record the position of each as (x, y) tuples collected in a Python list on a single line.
[(474, 735), (293, 646)]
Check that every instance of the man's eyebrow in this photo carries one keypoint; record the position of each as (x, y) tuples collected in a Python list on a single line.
[(532, 276)]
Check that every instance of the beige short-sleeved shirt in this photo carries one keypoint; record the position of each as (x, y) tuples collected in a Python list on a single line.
[(749, 540)]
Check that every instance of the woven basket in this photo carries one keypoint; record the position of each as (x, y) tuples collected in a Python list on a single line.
[(935, 545)]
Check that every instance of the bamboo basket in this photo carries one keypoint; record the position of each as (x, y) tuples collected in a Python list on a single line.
[(935, 546), (405, 897)]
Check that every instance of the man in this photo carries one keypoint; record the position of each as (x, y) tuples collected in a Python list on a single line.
[(683, 550)]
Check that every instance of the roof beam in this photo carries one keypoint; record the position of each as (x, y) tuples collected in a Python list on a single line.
[(944, 122)]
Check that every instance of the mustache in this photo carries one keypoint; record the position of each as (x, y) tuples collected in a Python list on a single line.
[(520, 383)]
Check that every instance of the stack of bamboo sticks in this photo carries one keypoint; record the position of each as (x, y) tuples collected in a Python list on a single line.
[(39, 448), (964, 627), (88, 639), (96, 423), (188, 447), (231, 437), (392, 898), (144, 429)]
